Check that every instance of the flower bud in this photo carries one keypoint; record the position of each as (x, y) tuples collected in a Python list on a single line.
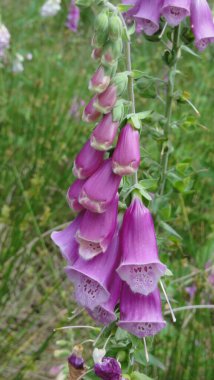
[(104, 134), (120, 80), (115, 27), (106, 101), (101, 28), (126, 157), (96, 53), (108, 369), (73, 194), (87, 161), (76, 361), (90, 113), (112, 52), (99, 82)]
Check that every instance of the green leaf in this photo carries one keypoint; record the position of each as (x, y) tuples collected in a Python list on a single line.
[(139, 376), (190, 51), (168, 272), (143, 191), (149, 184), (170, 230)]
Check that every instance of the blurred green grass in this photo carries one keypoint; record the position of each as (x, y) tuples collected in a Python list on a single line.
[(38, 142)]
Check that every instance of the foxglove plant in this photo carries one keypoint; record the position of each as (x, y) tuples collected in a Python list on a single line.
[(111, 248), (4, 39), (73, 17)]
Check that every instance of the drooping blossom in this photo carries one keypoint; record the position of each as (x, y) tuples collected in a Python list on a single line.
[(50, 8), (105, 132), (100, 189), (149, 13), (92, 278), (66, 240), (126, 156), (73, 195), (87, 161), (175, 11), (90, 113), (100, 81), (202, 23), (139, 314), (4, 40), (140, 267), (73, 17), (96, 231), (108, 369), (106, 101), (105, 313), (75, 107)]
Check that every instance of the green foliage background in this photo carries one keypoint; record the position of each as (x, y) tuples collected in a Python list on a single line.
[(38, 142)]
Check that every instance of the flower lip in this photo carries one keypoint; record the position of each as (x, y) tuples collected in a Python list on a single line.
[(142, 328), (89, 249), (124, 169), (102, 315), (88, 291), (175, 11), (91, 204), (142, 278)]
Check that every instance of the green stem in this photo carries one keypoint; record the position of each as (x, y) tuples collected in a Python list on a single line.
[(168, 110), (128, 66)]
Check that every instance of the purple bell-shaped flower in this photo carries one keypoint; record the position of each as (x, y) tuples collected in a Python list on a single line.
[(104, 134), (126, 156), (175, 11), (149, 13), (87, 161), (93, 278), (100, 189), (141, 315), (140, 267), (96, 231), (202, 23)]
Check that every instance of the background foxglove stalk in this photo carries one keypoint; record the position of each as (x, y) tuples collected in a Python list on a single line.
[(140, 266), (126, 157), (90, 113), (100, 189), (141, 315), (202, 23), (100, 81), (175, 11), (108, 369), (73, 17), (50, 8), (149, 13), (96, 231), (73, 195), (87, 161), (90, 280), (105, 132), (106, 101), (4, 39), (105, 313), (66, 240)]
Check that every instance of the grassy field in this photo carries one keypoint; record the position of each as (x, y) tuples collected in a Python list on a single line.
[(39, 140)]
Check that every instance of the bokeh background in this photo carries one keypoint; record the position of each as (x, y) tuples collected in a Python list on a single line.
[(41, 131)]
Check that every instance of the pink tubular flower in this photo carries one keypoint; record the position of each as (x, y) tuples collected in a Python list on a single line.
[(73, 194), (87, 161), (106, 101), (92, 278), (73, 17), (149, 13), (99, 82), (66, 241), (104, 313), (4, 39), (140, 266), (104, 134), (90, 113), (96, 231), (141, 315), (126, 157), (202, 23), (100, 189), (108, 369), (175, 11)]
